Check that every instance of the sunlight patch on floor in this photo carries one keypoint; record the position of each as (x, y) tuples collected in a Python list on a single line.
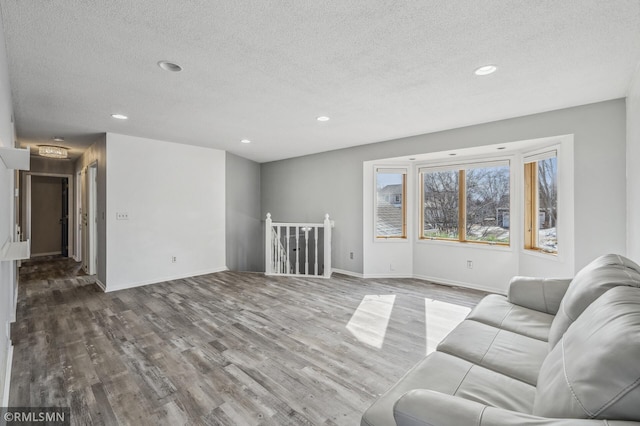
[(440, 319), (369, 322)]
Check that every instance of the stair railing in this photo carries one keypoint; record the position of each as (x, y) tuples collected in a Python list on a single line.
[(298, 249)]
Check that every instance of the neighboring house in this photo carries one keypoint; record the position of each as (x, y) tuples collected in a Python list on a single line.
[(392, 194)]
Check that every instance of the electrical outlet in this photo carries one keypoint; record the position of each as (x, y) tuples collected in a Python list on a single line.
[(122, 216), (469, 264), (351, 255), (174, 259)]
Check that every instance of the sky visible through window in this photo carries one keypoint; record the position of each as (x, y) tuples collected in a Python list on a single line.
[(385, 179)]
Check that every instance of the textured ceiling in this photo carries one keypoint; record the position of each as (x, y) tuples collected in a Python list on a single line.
[(264, 70)]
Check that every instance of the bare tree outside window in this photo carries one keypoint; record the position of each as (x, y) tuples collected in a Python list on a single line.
[(483, 195), (441, 191), (548, 204), (488, 201)]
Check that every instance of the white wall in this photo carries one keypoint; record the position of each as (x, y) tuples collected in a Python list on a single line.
[(633, 169), (7, 269), (174, 196)]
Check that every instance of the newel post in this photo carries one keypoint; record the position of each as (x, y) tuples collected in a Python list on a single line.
[(327, 246), (268, 244)]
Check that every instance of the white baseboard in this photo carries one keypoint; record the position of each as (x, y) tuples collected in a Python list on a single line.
[(388, 276), (101, 285), (349, 273), (7, 378), (51, 253), (452, 283), (163, 279)]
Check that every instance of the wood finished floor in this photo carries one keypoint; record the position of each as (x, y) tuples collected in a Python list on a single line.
[(221, 349)]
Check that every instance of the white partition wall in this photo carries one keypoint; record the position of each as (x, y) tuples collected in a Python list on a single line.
[(165, 211)]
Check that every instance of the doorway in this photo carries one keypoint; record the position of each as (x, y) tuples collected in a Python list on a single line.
[(48, 210)]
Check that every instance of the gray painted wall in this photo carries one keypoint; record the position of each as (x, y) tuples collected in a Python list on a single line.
[(304, 188), (244, 226)]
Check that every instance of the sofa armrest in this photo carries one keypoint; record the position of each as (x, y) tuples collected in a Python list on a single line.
[(422, 407), (540, 294)]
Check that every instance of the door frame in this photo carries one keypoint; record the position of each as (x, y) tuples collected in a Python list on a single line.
[(70, 198), (77, 252), (90, 254)]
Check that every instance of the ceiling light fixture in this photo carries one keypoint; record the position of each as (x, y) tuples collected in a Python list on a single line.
[(323, 118), (169, 66), (452, 154), (245, 141), (486, 70), (52, 151), (58, 138), (119, 116)]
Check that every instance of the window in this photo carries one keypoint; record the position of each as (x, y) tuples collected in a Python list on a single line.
[(467, 203), (391, 196), (541, 202)]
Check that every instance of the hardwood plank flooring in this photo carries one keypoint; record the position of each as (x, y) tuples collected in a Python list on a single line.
[(220, 349)]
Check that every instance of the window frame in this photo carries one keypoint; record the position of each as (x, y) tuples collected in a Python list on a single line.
[(530, 198), (390, 169), (462, 167)]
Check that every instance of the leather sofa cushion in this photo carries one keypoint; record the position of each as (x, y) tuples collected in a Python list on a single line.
[(506, 352), (453, 376), (593, 372), (591, 282), (497, 311)]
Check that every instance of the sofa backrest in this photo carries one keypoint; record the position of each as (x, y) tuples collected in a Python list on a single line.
[(604, 273), (593, 372)]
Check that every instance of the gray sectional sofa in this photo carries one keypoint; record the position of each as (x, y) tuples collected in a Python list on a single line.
[(553, 352)]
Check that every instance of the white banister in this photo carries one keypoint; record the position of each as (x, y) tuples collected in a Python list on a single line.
[(328, 224), (279, 248), (306, 250), (268, 246), (316, 250)]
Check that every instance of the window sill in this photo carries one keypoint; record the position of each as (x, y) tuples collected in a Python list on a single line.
[(466, 245), (391, 240)]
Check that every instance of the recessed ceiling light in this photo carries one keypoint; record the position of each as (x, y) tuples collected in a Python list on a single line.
[(323, 118), (486, 70), (245, 141), (169, 66), (119, 116), (452, 154), (501, 147), (58, 138), (412, 159)]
